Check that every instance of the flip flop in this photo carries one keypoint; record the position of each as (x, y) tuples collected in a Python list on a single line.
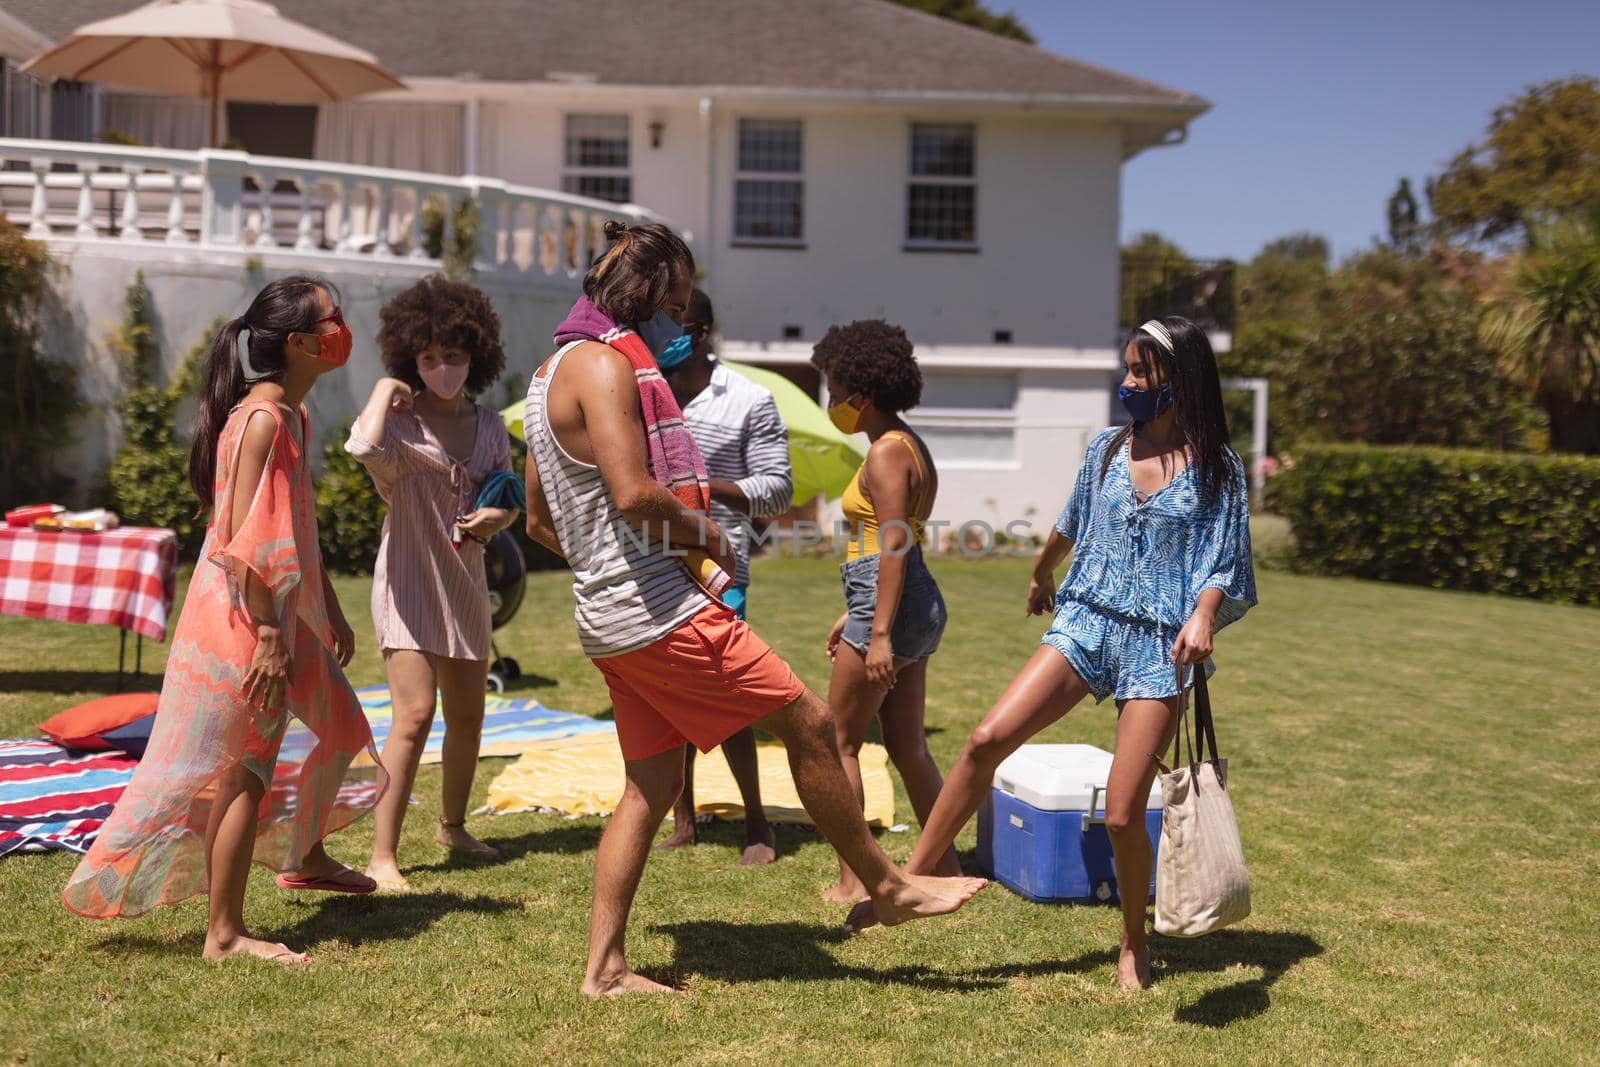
[(327, 885)]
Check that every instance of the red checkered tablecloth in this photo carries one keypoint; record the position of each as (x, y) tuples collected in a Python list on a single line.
[(125, 577)]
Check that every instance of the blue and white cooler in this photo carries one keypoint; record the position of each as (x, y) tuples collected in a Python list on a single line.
[(1042, 832)]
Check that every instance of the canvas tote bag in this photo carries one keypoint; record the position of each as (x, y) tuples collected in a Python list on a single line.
[(1201, 883)]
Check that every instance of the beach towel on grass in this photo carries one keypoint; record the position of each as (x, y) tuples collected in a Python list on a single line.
[(509, 725), (54, 798), (584, 776), (673, 457)]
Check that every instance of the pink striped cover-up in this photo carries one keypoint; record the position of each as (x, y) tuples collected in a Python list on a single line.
[(427, 594)]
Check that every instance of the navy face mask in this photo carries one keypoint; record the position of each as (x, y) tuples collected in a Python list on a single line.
[(1144, 404), (665, 339)]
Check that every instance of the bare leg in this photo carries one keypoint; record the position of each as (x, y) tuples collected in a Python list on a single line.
[(1043, 691), (462, 684), (230, 840), (652, 785), (412, 684), (1143, 727), (854, 700), (904, 735), (806, 729), (760, 843), (683, 826)]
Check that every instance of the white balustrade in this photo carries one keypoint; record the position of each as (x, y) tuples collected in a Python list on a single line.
[(72, 191)]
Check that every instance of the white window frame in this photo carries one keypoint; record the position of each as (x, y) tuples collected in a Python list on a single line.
[(575, 171), (787, 177), (923, 244)]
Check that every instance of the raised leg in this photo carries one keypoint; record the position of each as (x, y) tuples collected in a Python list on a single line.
[(412, 685), (1143, 727), (806, 729), (1043, 691), (462, 685), (652, 785)]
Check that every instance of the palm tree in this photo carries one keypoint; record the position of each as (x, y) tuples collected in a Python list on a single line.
[(1547, 328)]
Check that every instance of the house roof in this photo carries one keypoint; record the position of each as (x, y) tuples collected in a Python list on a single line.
[(851, 47)]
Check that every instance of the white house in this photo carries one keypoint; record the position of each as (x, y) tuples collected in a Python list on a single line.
[(829, 160)]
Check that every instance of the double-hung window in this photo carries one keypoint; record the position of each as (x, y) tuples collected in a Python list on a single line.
[(769, 183), (942, 197), (596, 161)]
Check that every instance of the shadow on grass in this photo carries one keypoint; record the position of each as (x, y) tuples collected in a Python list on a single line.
[(569, 838), (741, 952), (384, 916), (529, 681), (79, 681)]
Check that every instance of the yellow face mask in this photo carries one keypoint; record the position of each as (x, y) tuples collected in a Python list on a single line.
[(845, 415)]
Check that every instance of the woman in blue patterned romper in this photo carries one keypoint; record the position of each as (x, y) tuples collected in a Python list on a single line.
[(1158, 527)]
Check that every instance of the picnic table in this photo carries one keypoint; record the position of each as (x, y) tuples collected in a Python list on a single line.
[(126, 578)]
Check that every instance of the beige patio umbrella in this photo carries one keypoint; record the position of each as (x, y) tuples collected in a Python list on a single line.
[(218, 50)]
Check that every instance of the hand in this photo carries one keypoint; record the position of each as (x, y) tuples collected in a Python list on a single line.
[(880, 662), (1041, 594), (400, 394), (836, 635), (267, 680), (721, 548), (484, 523), (344, 638), (1194, 640)]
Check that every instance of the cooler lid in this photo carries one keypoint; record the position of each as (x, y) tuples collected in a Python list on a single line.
[(1060, 777)]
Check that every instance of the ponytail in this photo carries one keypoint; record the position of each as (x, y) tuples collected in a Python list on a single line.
[(288, 305)]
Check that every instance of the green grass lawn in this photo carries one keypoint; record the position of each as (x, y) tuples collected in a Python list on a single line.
[(1414, 772)]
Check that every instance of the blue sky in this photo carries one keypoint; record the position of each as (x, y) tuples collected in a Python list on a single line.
[(1318, 108)]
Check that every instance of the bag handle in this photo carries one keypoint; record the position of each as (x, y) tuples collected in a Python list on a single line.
[(1201, 732)]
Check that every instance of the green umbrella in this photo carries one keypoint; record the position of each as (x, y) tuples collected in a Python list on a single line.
[(824, 460)]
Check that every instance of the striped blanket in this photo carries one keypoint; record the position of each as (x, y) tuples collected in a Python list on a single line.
[(53, 798), (509, 725)]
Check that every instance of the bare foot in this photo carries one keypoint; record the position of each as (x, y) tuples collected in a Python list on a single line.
[(920, 897), (387, 874), (760, 848), (249, 946), (626, 982), (456, 839), (1133, 969), (682, 836)]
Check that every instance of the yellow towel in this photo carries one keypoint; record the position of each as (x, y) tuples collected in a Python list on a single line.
[(584, 776)]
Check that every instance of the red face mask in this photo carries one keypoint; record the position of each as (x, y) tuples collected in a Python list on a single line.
[(334, 348)]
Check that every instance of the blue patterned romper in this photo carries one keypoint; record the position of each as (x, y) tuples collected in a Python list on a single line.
[(1137, 568)]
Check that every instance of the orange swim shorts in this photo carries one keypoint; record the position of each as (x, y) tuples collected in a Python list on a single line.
[(702, 683)]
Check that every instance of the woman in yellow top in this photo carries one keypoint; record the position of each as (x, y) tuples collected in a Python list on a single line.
[(894, 615)]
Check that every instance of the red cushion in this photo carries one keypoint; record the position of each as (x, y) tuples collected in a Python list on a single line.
[(81, 726)]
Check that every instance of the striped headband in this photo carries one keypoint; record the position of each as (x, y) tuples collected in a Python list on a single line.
[(1159, 332)]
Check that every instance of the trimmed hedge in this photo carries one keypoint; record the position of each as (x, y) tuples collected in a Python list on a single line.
[(1453, 519)]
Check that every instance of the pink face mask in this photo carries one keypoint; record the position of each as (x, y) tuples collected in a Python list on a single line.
[(446, 379)]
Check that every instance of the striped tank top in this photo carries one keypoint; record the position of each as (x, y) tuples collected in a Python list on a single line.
[(630, 593)]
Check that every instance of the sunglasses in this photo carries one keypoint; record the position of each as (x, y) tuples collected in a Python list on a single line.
[(336, 317)]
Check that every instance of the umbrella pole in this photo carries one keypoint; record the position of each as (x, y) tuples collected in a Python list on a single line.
[(213, 85)]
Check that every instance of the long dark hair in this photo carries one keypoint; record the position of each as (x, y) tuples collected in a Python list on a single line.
[(288, 305), (634, 277), (1191, 370)]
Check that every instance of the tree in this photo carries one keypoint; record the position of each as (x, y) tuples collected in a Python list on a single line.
[(1540, 158), (974, 13), (1405, 232), (1307, 246), (1547, 327), (40, 396), (1150, 263)]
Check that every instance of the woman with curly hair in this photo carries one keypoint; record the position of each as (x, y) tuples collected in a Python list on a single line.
[(894, 615), (429, 449)]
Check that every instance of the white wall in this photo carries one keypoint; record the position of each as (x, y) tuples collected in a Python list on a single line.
[(191, 288), (1047, 216)]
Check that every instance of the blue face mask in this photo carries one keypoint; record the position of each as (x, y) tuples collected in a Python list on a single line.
[(1144, 404), (665, 339)]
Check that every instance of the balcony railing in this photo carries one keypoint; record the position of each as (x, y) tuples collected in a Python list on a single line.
[(214, 200), (1197, 289)]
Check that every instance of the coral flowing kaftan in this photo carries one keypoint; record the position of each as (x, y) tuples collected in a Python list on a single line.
[(151, 850)]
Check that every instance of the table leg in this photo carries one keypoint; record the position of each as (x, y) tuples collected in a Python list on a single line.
[(122, 655), (138, 656)]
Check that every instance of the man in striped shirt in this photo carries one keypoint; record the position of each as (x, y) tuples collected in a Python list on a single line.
[(746, 448)]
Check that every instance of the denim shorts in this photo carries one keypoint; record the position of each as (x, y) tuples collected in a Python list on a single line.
[(919, 622), (1115, 655)]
